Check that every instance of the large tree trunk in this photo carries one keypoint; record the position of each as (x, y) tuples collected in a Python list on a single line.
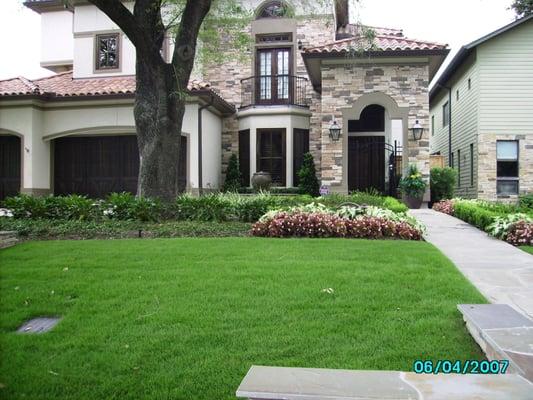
[(159, 110)]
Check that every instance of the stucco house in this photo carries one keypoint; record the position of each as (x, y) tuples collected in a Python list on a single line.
[(305, 73), (482, 114)]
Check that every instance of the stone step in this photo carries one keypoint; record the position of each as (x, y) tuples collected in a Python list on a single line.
[(503, 334), (8, 239), (5, 234), (277, 383)]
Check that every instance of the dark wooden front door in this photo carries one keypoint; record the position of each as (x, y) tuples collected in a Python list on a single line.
[(271, 154), (96, 166), (366, 163), (9, 166)]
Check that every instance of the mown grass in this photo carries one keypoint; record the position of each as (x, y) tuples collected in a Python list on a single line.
[(528, 249), (186, 318)]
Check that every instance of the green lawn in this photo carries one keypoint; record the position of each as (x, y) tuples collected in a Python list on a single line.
[(186, 318), (528, 249)]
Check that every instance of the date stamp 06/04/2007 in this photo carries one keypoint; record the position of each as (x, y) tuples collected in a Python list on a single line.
[(460, 367)]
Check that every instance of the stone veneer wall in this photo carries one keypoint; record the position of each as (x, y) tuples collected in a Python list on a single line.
[(487, 166), (226, 77), (343, 84)]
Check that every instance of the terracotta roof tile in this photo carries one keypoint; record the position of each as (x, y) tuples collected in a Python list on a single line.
[(385, 40), (64, 85)]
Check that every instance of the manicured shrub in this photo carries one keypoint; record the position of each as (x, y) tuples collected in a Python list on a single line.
[(442, 183), (307, 175), (25, 206), (211, 207), (394, 205), (444, 206), (472, 213), (233, 175), (119, 206), (520, 234)]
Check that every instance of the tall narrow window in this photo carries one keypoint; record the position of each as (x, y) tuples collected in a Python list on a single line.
[(469, 83), (273, 70), (458, 168), (446, 114), (452, 161), (432, 125), (244, 157), (271, 153), (507, 167), (471, 164), (457, 95), (107, 51), (299, 148)]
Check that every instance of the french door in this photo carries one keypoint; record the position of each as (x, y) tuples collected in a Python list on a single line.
[(273, 85), (271, 154)]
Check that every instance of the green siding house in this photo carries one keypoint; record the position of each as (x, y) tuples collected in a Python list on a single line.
[(481, 111)]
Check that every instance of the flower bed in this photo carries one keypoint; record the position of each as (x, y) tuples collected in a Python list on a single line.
[(317, 221), (513, 224)]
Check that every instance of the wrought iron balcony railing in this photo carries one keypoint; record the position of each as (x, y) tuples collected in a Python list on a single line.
[(274, 90)]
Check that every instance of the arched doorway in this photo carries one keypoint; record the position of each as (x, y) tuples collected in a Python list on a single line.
[(373, 154), (10, 165)]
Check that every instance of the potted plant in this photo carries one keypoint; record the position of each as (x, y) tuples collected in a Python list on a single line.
[(413, 187)]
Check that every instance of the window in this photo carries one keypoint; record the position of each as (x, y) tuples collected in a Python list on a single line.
[(457, 95), (469, 83), (107, 51), (244, 157), (271, 153), (273, 70), (372, 119), (273, 9), (452, 161), (507, 167), (446, 114), (300, 148), (471, 164), (280, 37), (458, 168), (432, 125)]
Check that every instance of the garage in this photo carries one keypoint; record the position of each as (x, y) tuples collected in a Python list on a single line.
[(98, 165), (10, 165)]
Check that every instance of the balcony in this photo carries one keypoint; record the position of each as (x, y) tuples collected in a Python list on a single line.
[(269, 90)]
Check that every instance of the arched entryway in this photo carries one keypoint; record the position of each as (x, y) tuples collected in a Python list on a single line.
[(10, 165), (374, 133)]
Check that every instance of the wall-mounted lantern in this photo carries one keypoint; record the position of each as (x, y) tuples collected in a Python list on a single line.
[(417, 130), (335, 131)]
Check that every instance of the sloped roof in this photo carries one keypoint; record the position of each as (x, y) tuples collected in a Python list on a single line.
[(386, 39), (466, 50), (63, 85)]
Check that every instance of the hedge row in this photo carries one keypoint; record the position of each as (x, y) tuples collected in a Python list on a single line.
[(213, 207)]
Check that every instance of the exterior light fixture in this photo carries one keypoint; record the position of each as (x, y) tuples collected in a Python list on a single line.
[(417, 130), (334, 131)]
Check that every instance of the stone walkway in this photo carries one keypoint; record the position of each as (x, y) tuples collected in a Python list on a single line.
[(501, 272)]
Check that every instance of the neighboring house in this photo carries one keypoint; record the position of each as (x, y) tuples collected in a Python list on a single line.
[(482, 110), (74, 132)]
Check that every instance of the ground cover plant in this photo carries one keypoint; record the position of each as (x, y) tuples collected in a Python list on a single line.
[(186, 318), (512, 223)]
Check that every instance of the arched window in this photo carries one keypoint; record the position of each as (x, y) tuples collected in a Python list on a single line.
[(372, 120), (273, 9)]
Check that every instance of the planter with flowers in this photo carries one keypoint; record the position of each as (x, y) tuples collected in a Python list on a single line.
[(413, 187)]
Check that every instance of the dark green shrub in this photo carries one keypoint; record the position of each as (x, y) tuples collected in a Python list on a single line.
[(211, 207), (147, 210), (120, 206), (442, 183), (25, 206), (474, 214), (78, 207), (307, 175), (233, 175), (526, 201)]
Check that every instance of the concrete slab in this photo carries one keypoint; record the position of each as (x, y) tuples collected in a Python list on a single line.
[(279, 383), (493, 316)]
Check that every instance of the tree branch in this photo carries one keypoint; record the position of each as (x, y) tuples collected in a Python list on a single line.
[(186, 38)]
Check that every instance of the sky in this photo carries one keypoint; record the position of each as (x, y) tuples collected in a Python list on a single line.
[(454, 22)]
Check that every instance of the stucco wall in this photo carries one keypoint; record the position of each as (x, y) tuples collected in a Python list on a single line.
[(57, 40)]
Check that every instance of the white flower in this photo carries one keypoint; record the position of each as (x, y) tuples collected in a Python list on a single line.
[(328, 290), (6, 212)]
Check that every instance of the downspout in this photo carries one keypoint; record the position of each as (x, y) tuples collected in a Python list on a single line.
[(200, 128), (449, 89)]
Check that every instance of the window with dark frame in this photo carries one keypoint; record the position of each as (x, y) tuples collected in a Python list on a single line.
[(299, 148), (372, 119), (446, 114), (273, 9), (471, 164), (273, 76), (469, 83), (271, 154), (507, 168), (244, 157), (107, 51), (458, 168), (457, 95), (432, 125), (452, 161), (274, 38)]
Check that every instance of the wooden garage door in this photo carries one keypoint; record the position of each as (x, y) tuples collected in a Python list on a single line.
[(96, 166), (9, 166)]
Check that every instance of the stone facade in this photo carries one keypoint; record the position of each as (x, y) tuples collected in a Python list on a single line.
[(345, 84), (487, 164)]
